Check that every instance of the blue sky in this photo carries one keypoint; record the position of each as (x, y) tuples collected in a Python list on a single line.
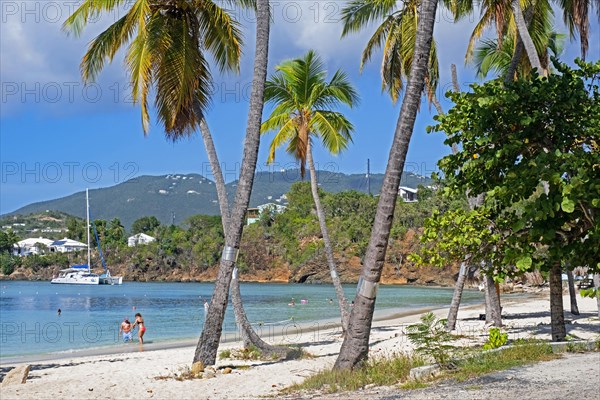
[(58, 137)]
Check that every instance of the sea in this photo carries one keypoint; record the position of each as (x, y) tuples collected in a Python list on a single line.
[(30, 324)]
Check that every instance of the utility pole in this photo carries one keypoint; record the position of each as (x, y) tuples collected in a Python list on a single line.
[(369, 176)]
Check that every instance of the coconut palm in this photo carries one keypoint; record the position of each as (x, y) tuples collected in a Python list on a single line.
[(304, 104), (491, 58), (395, 35), (168, 53), (167, 44), (356, 342), (206, 350), (576, 18)]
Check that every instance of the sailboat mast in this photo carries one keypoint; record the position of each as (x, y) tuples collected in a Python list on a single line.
[(87, 215)]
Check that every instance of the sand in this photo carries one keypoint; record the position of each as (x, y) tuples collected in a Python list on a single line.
[(145, 373)]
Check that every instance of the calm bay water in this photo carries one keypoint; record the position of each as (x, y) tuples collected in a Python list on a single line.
[(91, 315)]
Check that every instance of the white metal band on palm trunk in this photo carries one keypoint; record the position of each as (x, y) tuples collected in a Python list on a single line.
[(367, 288), (230, 254), (235, 274), (333, 274)]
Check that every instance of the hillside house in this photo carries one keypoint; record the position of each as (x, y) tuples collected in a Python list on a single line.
[(409, 195), (67, 246), (140, 238), (254, 214), (29, 246)]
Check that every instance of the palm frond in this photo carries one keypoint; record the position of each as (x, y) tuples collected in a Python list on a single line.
[(357, 14), (333, 129), (88, 10), (104, 47), (221, 35)]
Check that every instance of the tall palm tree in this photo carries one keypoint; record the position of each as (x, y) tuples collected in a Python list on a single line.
[(167, 45), (356, 342), (304, 103), (576, 18), (491, 58), (206, 350), (395, 35), (167, 52)]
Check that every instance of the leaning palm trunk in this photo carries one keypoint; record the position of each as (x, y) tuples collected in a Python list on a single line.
[(356, 343), (572, 293), (557, 315), (208, 344), (248, 334), (456, 297), (523, 32), (335, 278)]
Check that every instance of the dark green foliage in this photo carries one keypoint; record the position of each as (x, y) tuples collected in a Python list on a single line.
[(7, 241), (145, 225), (9, 263), (532, 148)]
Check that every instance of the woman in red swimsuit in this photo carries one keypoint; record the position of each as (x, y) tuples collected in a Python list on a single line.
[(141, 327)]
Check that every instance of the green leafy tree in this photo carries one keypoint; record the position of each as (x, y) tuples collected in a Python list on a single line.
[(304, 110), (8, 240), (532, 148), (145, 225)]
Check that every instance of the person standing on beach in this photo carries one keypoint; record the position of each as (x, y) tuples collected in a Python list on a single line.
[(126, 330), (139, 321)]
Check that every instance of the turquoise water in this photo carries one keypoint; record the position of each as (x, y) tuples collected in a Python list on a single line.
[(91, 315)]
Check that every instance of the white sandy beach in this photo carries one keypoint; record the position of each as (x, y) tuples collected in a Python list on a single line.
[(150, 374)]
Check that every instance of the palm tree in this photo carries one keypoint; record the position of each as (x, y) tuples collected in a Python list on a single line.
[(169, 42), (491, 58), (206, 350), (576, 17), (304, 103), (356, 342), (396, 35)]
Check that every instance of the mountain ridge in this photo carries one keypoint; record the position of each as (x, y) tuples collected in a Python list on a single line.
[(173, 198)]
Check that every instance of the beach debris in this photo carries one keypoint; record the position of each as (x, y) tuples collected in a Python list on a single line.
[(17, 375), (226, 370), (209, 374), (197, 368)]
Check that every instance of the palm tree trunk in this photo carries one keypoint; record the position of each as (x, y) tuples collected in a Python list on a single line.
[(206, 350), (493, 314), (248, 334), (456, 297), (557, 315), (597, 286), (335, 278), (518, 52), (355, 347), (572, 293), (523, 32)]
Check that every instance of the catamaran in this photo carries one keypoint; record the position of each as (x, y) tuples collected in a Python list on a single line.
[(82, 274)]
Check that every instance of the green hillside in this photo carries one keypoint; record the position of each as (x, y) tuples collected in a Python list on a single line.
[(174, 198)]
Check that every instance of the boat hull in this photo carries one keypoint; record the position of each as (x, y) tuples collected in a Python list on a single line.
[(75, 281)]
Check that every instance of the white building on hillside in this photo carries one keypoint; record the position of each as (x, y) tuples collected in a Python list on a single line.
[(254, 214), (140, 238), (409, 195), (29, 246), (67, 246)]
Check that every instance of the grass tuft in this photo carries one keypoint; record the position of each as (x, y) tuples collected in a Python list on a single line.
[(380, 372), (524, 352)]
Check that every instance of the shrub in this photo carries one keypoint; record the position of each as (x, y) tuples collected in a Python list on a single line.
[(431, 338), (496, 339)]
